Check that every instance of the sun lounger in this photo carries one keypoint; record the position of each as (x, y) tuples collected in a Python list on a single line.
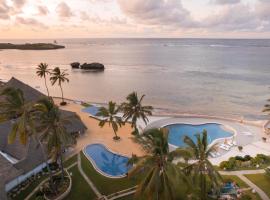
[(213, 155), (218, 154), (230, 144), (224, 147)]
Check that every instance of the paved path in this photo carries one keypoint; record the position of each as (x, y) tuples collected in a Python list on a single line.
[(241, 174), (90, 183), (252, 185), (236, 173)]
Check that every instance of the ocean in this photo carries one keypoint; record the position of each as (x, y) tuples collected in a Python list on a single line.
[(221, 77)]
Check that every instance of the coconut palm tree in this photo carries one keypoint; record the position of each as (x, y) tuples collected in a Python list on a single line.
[(201, 168), (267, 107), (42, 71), (15, 107), (161, 176), (134, 110), (52, 130), (110, 117), (59, 76)]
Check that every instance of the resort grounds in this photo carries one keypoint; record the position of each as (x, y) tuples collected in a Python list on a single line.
[(252, 145), (87, 183)]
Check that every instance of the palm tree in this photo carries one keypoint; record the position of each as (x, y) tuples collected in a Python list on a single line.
[(42, 71), (25, 117), (52, 130), (267, 107), (161, 176), (15, 107), (134, 110), (110, 117), (202, 167), (60, 77)]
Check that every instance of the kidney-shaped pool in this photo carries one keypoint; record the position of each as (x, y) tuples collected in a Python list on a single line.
[(106, 162), (214, 132)]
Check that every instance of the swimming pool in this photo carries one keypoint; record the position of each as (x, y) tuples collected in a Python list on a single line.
[(106, 162), (92, 110), (178, 131)]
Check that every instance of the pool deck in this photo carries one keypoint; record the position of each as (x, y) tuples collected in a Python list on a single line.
[(248, 134)]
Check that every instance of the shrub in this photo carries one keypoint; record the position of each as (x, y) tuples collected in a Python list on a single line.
[(247, 158), (246, 197), (240, 148)]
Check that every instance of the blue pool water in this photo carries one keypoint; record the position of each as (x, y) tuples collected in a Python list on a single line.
[(92, 110), (178, 131), (107, 162)]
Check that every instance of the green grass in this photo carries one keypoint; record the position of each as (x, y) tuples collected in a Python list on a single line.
[(80, 188), (241, 184), (130, 197), (236, 179), (70, 161), (105, 185), (84, 104), (261, 180)]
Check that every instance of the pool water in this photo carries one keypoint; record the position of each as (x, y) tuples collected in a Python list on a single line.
[(107, 162), (178, 131), (92, 110)]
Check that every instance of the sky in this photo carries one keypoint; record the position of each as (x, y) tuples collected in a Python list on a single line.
[(134, 18)]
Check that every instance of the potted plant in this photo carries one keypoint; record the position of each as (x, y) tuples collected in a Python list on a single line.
[(240, 148)]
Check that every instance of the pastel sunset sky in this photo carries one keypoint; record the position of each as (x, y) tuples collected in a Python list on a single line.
[(134, 18)]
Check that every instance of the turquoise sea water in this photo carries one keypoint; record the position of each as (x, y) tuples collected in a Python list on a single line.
[(109, 163), (224, 77), (178, 131)]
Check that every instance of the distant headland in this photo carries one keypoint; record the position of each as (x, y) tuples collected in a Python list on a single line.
[(29, 46)]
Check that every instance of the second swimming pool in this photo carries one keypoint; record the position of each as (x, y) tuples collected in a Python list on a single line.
[(178, 131)]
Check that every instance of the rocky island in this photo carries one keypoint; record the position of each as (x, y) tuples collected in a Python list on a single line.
[(29, 46), (88, 66)]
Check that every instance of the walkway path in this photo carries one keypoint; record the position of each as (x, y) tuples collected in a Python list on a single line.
[(236, 173), (90, 183), (240, 174)]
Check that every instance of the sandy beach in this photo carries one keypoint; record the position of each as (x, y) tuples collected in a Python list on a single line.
[(95, 134)]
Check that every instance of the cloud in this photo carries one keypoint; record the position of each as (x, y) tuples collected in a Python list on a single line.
[(64, 10), (4, 10), (239, 17), (29, 22), (19, 3), (224, 2), (157, 12), (42, 10)]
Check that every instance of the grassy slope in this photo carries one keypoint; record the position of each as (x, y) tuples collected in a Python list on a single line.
[(242, 184), (261, 180), (105, 185), (80, 189)]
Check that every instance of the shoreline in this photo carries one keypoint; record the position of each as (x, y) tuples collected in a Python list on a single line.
[(157, 113)]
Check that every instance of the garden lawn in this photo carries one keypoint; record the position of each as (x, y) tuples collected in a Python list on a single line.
[(70, 161), (80, 188), (242, 185), (261, 180), (105, 185)]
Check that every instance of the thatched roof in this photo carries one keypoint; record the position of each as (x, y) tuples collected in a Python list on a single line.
[(30, 94), (30, 155)]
